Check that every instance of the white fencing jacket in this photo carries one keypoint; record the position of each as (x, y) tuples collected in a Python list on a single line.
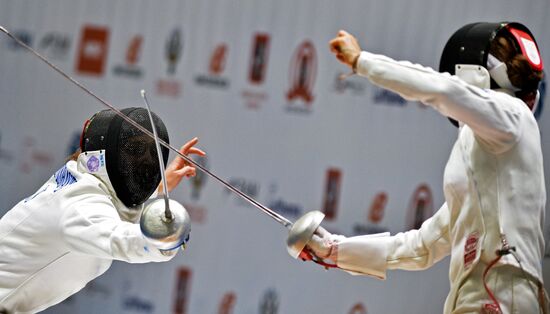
[(493, 181), (66, 234)]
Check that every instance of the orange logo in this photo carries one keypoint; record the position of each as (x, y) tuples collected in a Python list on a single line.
[(227, 303), (303, 70), (134, 47), (332, 193), (258, 62), (183, 287), (92, 52), (376, 210), (420, 207), (358, 308), (217, 60)]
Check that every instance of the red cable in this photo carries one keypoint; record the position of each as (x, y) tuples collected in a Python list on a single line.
[(489, 292), (308, 256)]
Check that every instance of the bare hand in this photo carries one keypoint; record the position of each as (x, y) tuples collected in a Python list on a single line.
[(346, 48), (180, 168)]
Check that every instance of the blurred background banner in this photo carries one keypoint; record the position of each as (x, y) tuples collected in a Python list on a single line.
[(255, 81)]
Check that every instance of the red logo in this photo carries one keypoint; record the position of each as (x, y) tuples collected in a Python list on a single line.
[(420, 207), (303, 70), (217, 60), (92, 51), (332, 193), (134, 47), (183, 287), (376, 210), (528, 48), (258, 62), (358, 308), (227, 303), (470, 249)]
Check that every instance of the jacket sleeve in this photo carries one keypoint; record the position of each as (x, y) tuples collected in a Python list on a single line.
[(92, 226), (411, 250), (493, 116)]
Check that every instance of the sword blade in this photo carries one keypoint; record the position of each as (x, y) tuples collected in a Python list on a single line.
[(277, 217)]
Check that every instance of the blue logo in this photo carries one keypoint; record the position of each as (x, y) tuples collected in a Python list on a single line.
[(23, 36), (138, 304), (270, 302), (542, 91), (93, 164), (387, 97), (74, 143), (285, 208), (63, 178)]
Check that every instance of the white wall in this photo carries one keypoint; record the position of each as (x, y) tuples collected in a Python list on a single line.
[(279, 150)]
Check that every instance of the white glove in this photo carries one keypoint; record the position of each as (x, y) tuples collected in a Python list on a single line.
[(322, 243), (319, 246)]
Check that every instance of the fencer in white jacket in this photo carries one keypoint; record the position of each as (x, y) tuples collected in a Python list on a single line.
[(67, 233), (493, 185)]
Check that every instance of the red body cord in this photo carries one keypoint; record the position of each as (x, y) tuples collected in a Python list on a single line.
[(496, 305)]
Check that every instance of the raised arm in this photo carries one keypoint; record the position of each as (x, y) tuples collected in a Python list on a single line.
[(493, 116)]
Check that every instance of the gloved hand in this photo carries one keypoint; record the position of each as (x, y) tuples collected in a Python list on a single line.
[(322, 244)]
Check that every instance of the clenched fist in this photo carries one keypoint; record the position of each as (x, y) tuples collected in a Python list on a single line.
[(346, 48)]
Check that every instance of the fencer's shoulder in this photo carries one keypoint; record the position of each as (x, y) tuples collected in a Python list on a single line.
[(87, 187), (512, 104)]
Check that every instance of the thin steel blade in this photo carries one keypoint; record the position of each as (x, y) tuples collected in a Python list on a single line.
[(277, 217)]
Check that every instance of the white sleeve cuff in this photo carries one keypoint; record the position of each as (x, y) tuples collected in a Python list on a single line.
[(362, 67), (363, 255)]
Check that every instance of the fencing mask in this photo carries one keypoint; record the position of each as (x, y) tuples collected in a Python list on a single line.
[(130, 155), (470, 46)]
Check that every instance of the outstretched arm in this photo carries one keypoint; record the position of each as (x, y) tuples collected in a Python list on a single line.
[(494, 117), (374, 254), (91, 226)]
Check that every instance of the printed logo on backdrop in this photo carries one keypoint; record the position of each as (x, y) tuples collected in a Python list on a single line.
[(247, 186), (74, 143), (32, 157), (55, 45), (227, 303), (135, 303), (542, 91), (92, 50), (332, 193), (358, 308), (386, 97), (281, 206), (374, 216), (253, 95), (216, 68), (169, 86), (23, 35), (6, 156), (93, 288), (197, 212), (269, 303), (183, 290), (133, 51), (303, 71), (547, 242), (353, 85), (420, 207)]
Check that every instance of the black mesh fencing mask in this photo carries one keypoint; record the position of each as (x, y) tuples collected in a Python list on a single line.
[(130, 155)]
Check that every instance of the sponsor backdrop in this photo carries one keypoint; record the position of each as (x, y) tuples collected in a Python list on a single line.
[(255, 81)]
